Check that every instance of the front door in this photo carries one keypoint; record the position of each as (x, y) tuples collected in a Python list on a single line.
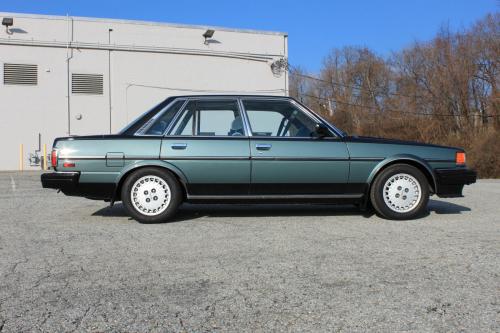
[(207, 142), (288, 158)]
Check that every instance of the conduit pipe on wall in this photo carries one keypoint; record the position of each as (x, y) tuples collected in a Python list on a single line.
[(69, 56), (133, 48)]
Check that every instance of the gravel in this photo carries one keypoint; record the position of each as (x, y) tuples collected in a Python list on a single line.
[(72, 264)]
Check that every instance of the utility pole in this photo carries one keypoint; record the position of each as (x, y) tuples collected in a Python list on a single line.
[(330, 108)]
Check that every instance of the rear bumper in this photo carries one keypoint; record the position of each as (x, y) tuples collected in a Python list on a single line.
[(69, 183), (60, 180), (450, 182)]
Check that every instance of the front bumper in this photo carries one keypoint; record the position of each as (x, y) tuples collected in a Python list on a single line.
[(69, 183), (450, 182)]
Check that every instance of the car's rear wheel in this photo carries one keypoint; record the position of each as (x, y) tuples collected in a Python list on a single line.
[(151, 195), (400, 192)]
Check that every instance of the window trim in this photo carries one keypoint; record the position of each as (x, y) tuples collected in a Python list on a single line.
[(236, 99), (337, 134)]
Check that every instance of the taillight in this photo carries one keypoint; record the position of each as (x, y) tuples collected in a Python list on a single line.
[(53, 158), (460, 158)]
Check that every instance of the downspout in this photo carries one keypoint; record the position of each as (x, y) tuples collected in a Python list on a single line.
[(69, 56), (109, 77)]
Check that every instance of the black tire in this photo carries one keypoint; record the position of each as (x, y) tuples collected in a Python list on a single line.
[(156, 175), (377, 193)]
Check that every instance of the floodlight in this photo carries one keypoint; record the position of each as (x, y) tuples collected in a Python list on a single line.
[(208, 34), (8, 22)]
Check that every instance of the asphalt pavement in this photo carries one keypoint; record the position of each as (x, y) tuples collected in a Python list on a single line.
[(72, 264)]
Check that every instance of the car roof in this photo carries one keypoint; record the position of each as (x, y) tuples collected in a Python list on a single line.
[(231, 95)]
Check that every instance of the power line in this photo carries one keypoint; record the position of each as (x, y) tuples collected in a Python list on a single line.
[(294, 72), (397, 111)]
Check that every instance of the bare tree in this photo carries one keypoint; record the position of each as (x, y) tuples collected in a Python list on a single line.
[(444, 91)]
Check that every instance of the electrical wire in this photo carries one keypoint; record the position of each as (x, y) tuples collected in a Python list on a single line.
[(396, 111), (269, 91), (295, 73)]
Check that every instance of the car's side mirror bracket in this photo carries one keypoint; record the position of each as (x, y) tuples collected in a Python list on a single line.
[(321, 131)]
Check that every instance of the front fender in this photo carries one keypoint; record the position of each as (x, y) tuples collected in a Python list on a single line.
[(404, 158)]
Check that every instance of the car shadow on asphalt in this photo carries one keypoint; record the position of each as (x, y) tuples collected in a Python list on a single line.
[(443, 207), (195, 211)]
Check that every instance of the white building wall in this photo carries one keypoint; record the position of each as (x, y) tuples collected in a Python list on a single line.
[(142, 63)]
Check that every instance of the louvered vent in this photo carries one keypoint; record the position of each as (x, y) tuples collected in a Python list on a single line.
[(20, 74), (87, 84)]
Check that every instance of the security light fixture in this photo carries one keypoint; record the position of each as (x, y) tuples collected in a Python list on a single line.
[(8, 22), (208, 34)]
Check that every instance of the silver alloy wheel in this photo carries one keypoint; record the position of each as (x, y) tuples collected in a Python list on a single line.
[(150, 195), (402, 193)]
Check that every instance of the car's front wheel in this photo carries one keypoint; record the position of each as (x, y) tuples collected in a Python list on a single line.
[(151, 195), (400, 192)]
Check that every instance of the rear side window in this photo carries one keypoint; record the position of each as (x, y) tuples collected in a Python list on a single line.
[(163, 119), (210, 118)]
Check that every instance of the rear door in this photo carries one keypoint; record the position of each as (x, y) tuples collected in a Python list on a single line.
[(208, 143), (287, 157)]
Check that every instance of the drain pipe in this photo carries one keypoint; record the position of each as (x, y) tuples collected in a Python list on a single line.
[(109, 78), (69, 56)]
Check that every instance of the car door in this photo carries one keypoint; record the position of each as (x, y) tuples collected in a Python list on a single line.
[(288, 158), (208, 143)]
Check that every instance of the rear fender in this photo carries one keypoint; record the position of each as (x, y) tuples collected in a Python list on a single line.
[(141, 164)]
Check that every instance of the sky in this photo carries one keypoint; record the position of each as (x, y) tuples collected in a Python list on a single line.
[(314, 27)]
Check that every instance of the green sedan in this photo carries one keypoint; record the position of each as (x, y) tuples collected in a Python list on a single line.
[(266, 149)]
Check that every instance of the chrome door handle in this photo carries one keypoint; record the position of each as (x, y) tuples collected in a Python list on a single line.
[(179, 146), (263, 146)]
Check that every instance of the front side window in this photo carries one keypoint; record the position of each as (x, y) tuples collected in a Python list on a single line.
[(210, 118), (276, 118)]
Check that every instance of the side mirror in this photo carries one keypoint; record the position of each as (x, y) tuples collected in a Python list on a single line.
[(321, 131)]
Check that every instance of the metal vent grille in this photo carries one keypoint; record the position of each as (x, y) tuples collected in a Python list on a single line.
[(87, 84), (20, 74)]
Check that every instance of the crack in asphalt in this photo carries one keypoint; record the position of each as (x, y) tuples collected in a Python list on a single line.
[(12, 270), (79, 320), (44, 320), (181, 322)]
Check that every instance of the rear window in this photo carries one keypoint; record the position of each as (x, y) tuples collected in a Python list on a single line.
[(159, 124), (139, 123)]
